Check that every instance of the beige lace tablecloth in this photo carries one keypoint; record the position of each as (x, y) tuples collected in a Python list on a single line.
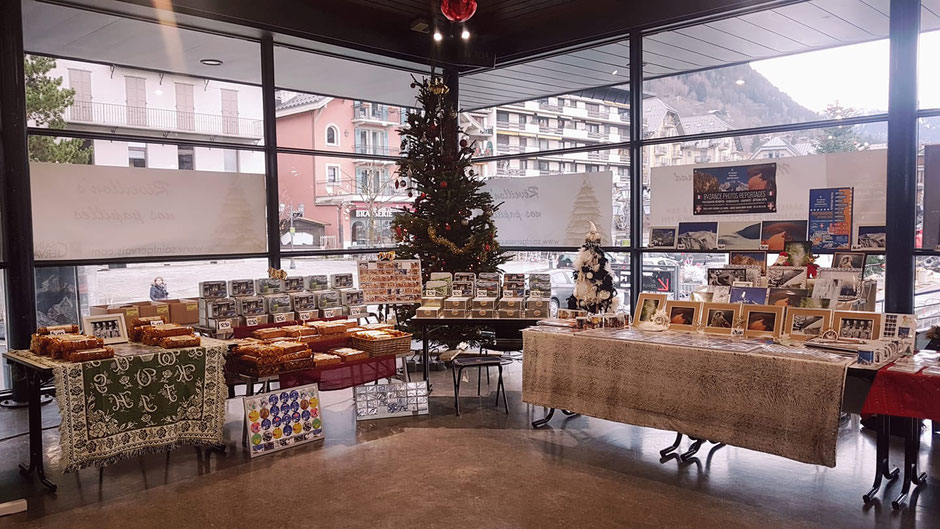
[(772, 400)]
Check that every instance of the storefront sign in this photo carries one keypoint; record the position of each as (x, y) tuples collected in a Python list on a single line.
[(552, 210), (100, 212), (830, 218), (735, 189), (384, 213)]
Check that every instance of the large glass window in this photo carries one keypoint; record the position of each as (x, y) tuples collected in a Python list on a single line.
[(560, 266)]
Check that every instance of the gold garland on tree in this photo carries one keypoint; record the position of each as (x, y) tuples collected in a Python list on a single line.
[(432, 233)]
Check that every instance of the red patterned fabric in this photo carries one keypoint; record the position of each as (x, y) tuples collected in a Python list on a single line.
[(904, 395), (342, 376)]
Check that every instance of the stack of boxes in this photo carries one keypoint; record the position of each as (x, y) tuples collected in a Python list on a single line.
[(538, 303), (484, 295)]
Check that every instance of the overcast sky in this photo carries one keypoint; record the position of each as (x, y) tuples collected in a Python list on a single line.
[(856, 76)]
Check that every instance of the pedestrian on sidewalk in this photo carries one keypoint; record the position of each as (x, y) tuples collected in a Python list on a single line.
[(158, 290)]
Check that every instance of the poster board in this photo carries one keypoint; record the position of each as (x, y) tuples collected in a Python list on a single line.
[(671, 194), (931, 233), (552, 210), (391, 400), (397, 281), (283, 419), (101, 212)]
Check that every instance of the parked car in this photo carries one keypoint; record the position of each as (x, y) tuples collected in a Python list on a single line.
[(562, 287)]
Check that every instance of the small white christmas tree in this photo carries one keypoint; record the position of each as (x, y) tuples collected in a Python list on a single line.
[(593, 282), (586, 211)]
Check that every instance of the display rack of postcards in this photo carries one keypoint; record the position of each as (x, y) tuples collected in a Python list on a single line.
[(401, 399)]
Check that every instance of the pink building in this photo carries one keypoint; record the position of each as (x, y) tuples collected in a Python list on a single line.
[(342, 201)]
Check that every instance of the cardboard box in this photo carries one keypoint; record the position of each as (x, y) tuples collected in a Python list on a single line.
[(484, 303), (511, 304), (432, 302), (250, 306), (333, 312), (183, 311), (510, 313), (463, 289), (461, 302), (216, 309), (130, 312), (429, 312), (317, 282), (213, 289), (294, 284), (538, 303), (303, 301), (277, 303), (252, 321), (307, 315), (483, 313), (357, 310), (455, 313), (536, 313), (268, 285), (241, 287)]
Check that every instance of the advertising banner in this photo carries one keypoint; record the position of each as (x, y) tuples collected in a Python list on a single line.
[(830, 218), (736, 189)]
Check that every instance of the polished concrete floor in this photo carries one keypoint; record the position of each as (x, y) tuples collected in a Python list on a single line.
[(483, 469)]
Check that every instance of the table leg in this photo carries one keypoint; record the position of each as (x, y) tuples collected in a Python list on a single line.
[(542, 422), (34, 397), (425, 355), (911, 453), (500, 386), (457, 390), (882, 445), (673, 446)]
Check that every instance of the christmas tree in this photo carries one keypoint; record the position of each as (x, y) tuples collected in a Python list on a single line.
[(584, 212), (450, 227), (593, 282)]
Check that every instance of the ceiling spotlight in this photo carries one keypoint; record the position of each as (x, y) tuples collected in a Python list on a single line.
[(465, 34), (438, 37), (211, 62), (614, 72), (739, 82)]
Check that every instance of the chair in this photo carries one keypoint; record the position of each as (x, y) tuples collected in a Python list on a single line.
[(479, 362)]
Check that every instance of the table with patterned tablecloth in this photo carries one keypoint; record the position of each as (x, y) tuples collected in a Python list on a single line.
[(145, 399)]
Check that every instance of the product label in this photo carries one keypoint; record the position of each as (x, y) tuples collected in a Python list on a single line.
[(224, 325), (56, 332), (280, 318), (251, 322)]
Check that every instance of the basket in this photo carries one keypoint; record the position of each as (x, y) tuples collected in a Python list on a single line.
[(395, 345)]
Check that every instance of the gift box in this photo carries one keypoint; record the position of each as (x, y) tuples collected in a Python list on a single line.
[(429, 312), (294, 284), (333, 312), (511, 304), (351, 296), (130, 312), (220, 308), (253, 321), (484, 303), (277, 303), (241, 287), (307, 315), (570, 314), (268, 285), (457, 302), (540, 285), (482, 313), (536, 313), (303, 301), (455, 313), (250, 306), (213, 289), (463, 289), (357, 310), (222, 326), (281, 317), (327, 299), (316, 282), (153, 308), (432, 301), (183, 311), (538, 303), (341, 281), (509, 313)]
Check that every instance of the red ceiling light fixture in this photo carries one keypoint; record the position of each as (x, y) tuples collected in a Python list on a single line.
[(458, 10)]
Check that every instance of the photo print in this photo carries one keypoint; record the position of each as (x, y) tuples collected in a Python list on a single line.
[(764, 321), (803, 324), (848, 260), (750, 259), (799, 253), (663, 237), (850, 281), (761, 321), (697, 236), (719, 318), (726, 277), (786, 277), (735, 235), (787, 297), (749, 295), (647, 304), (871, 237), (776, 233), (857, 325), (720, 294), (683, 315)]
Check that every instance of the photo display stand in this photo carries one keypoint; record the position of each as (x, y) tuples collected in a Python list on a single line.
[(390, 282), (391, 400), (283, 419)]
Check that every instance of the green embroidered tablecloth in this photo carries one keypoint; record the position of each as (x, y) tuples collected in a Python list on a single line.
[(143, 400)]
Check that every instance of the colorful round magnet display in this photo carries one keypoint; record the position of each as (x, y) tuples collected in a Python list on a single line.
[(294, 406), (314, 402), (264, 413), (294, 395), (285, 396), (267, 437), (317, 423), (272, 399), (304, 404), (266, 424), (295, 417), (305, 415), (275, 410), (278, 433), (297, 427), (255, 427), (253, 415), (256, 439)]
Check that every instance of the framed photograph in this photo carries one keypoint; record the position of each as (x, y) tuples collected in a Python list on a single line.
[(719, 318), (799, 253), (871, 238), (750, 259), (802, 324), (848, 260), (683, 315), (850, 281), (775, 234), (749, 295), (857, 325), (663, 237), (787, 297), (739, 235), (762, 321), (647, 304), (725, 277), (697, 236), (721, 294), (109, 327), (786, 277)]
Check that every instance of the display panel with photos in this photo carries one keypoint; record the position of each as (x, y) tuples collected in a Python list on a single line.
[(663, 237), (804, 323), (776, 233), (683, 315), (762, 321), (647, 305), (739, 235), (719, 318), (854, 325)]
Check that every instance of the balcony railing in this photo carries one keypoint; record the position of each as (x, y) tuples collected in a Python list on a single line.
[(549, 129), (551, 107), (90, 112), (598, 155), (505, 171), (508, 149), (510, 125), (597, 135), (370, 112), (376, 150), (598, 114)]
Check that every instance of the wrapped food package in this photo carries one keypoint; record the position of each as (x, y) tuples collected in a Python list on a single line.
[(99, 353), (173, 342)]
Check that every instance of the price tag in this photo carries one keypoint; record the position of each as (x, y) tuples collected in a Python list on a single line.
[(224, 325), (329, 313), (154, 323), (251, 322), (457, 293), (280, 318), (304, 316), (57, 332), (765, 247)]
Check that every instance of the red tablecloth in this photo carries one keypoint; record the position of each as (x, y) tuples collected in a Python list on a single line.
[(341, 376), (904, 395)]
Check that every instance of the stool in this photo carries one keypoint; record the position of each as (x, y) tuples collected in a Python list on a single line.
[(479, 362)]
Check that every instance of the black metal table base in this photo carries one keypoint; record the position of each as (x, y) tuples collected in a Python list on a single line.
[(881, 454), (551, 413), (33, 386), (688, 454), (911, 451)]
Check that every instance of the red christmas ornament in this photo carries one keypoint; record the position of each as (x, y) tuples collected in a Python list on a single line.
[(398, 231), (486, 247), (447, 227), (410, 194), (444, 184), (463, 144), (422, 196), (458, 10)]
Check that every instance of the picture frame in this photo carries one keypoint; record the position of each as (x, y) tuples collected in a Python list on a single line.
[(786, 277), (757, 259), (697, 236), (787, 297), (843, 260), (719, 318), (802, 324), (857, 325), (683, 315), (663, 237), (870, 237), (648, 304), (748, 295), (109, 327), (726, 277), (850, 283), (762, 321)]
